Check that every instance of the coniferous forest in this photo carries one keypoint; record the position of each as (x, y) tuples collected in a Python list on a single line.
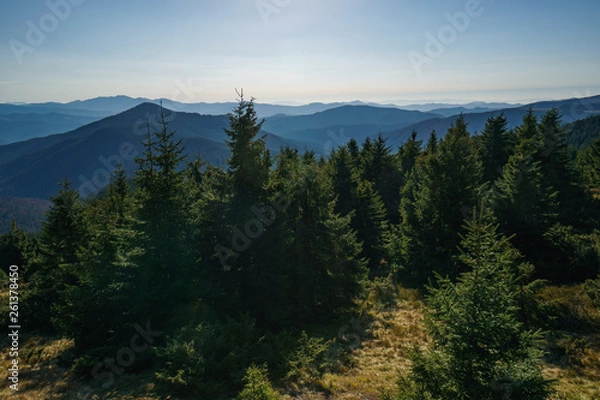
[(265, 278)]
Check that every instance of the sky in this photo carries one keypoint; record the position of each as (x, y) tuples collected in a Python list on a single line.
[(300, 51)]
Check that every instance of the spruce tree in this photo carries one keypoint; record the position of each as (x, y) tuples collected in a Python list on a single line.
[(345, 180), (588, 165), (380, 168), (408, 153), (371, 224), (328, 273), (161, 219), (63, 237), (14, 248), (479, 348), (95, 316), (522, 202), (495, 147), (358, 198), (443, 183), (250, 160), (556, 162)]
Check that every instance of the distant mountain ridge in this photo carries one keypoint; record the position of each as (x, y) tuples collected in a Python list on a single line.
[(86, 155), (22, 121)]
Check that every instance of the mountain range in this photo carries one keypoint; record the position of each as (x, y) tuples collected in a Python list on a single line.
[(33, 167), (22, 121)]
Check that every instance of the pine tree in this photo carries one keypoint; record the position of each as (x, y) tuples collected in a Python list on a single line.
[(345, 180), (432, 143), (442, 185), (250, 161), (63, 236), (521, 201), (162, 220), (495, 147), (480, 350), (556, 162), (588, 164), (356, 197), (528, 132), (408, 154), (328, 273), (380, 168), (94, 315), (371, 224), (14, 248)]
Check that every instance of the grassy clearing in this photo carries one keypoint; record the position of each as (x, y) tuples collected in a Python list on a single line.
[(377, 347)]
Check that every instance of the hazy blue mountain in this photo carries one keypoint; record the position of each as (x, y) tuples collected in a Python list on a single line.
[(23, 121), (19, 127), (87, 155), (368, 119), (450, 111), (33, 167), (570, 109), (433, 107)]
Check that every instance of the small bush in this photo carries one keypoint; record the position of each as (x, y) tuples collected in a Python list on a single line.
[(308, 362), (257, 386), (211, 358), (574, 257)]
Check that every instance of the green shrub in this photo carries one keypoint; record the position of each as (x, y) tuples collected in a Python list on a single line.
[(480, 349), (257, 385), (573, 256), (211, 358), (307, 362)]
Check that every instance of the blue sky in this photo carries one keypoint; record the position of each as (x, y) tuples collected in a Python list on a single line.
[(300, 50)]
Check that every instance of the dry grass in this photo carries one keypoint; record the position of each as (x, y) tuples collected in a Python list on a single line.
[(383, 340), (40, 375), (577, 372), (383, 351)]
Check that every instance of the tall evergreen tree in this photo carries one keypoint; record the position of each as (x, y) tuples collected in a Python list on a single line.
[(14, 247), (250, 160), (443, 184), (162, 221), (95, 316), (588, 165), (380, 168), (495, 147), (327, 271), (63, 237), (408, 153), (356, 197), (480, 350), (556, 162)]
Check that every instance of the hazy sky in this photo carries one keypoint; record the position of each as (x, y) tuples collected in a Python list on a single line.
[(300, 50)]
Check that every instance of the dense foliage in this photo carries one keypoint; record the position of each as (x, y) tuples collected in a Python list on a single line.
[(230, 265)]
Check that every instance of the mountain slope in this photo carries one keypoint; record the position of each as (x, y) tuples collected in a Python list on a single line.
[(86, 155), (570, 109), (19, 127)]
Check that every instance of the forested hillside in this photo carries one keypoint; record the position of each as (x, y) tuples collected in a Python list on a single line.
[(218, 282)]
